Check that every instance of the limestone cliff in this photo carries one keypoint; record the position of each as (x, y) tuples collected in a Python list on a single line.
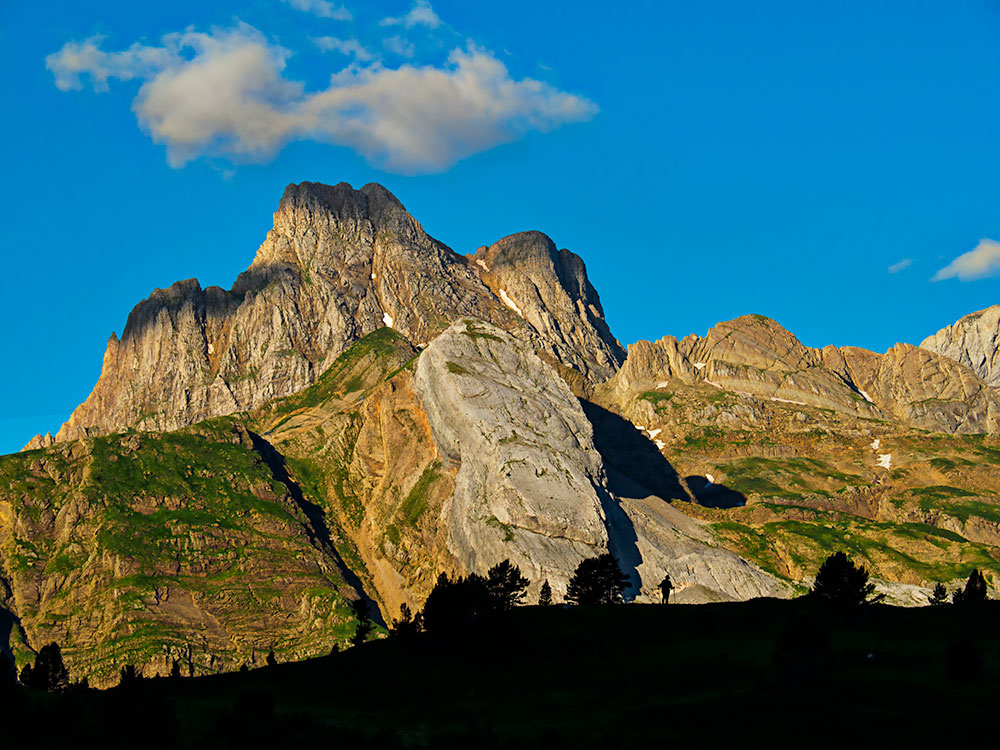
[(338, 264), (754, 355), (974, 341)]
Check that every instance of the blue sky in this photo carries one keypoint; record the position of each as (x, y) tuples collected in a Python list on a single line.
[(706, 159)]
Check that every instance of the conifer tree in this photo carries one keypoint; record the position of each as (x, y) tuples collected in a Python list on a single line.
[(545, 594)]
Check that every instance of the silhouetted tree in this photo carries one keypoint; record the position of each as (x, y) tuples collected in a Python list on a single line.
[(974, 592), (939, 595), (840, 581), (666, 586), (407, 625), (456, 604), (175, 669), (506, 585), (49, 672), (545, 594), (129, 676), (597, 580), (365, 626), (270, 660)]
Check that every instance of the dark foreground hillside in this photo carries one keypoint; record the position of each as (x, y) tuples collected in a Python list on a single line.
[(763, 672)]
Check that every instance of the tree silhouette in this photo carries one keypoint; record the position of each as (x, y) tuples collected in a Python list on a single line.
[(457, 603), (597, 580), (407, 625), (666, 586), (271, 661), (175, 669), (545, 594), (939, 595), (365, 625), (840, 581), (974, 592), (49, 672), (506, 585)]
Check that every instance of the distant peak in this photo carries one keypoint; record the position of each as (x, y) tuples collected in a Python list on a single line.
[(341, 199)]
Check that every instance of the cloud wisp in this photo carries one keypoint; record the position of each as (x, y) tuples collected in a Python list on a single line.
[(350, 47), (901, 266), (224, 94), (982, 261), (321, 8), (421, 14)]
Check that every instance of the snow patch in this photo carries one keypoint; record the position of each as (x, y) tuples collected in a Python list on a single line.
[(482, 264), (660, 444), (664, 384), (876, 444), (788, 401), (387, 319), (699, 365), (211, 349), (867, 397), (885, 460), (373, 275), (510, 303), (654, 433), (710, 478), (640, 427)]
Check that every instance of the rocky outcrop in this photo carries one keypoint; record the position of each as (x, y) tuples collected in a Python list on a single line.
[(338, 264), (755, 356), (549, 288), (530, 484), (974, 341)]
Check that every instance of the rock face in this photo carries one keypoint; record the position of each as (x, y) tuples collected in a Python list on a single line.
[(549, 289), (756, 356), (338, 264), (476, 453), (974, 341), (530, 484)]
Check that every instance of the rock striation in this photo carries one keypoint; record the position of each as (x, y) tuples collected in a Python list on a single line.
[(338, 264), (754, 355), (974, 341)]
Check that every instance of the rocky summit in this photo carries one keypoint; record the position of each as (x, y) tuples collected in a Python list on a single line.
[(366, 409), (338, 264)]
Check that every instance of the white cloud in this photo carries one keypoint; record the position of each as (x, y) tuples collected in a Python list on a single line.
[(224, 94), (321, 8), (350, 47), (86, 57), (901, 266), (421, 14), (399, 46), (978, 263)]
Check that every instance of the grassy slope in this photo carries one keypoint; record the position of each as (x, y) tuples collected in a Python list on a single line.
[(813, 487)]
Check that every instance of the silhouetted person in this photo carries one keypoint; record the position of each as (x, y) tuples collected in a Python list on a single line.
[(665, 588)]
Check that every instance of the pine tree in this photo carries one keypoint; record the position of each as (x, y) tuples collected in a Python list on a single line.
[(974, 592), (271, 661), (545, 594), (506, 585), (49, 672), (939, 595), (597, 580), (840, 581), (365, 626)]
